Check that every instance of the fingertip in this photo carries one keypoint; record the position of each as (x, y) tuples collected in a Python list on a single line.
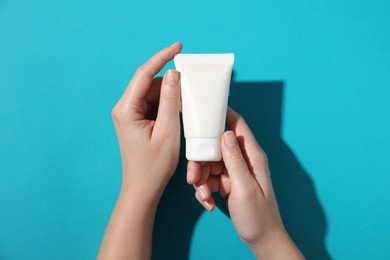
[(193, 172), (199, 199), (190, 177), (230, 139), (210, 205), (177, 46), (201, 192), (205, 192), (172, 77)]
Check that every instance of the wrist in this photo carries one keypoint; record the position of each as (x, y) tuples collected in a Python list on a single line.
[(140, 197), (277, 245), (143, 191)]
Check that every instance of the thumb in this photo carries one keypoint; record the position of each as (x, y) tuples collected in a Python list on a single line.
[(167, 121), (234, 160)]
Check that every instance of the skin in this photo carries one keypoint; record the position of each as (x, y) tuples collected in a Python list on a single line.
[(147, 124), (243, 179)]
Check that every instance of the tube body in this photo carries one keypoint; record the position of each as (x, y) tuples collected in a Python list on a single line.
[(205, 81)]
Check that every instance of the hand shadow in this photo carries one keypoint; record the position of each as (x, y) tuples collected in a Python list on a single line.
[(260, 103)]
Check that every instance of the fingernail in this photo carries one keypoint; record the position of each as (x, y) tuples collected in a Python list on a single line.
[(209, 207), (202, 194), (230, 139), (174, 43), (189, 176), (172, 77)]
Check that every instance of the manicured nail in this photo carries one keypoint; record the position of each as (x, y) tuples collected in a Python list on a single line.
[(230, 139), (172, 77)]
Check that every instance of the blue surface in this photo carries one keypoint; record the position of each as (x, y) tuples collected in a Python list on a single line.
[(311, 77)]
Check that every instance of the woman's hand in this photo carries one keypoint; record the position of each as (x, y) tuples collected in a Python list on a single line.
[(147, 124), (243, 179)]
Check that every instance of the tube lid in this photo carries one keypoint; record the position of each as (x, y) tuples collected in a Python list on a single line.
[(203, 149)]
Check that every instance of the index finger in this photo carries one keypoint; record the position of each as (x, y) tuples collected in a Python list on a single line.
[(251, 150), (245, 137), (237, 123), (142, 80)]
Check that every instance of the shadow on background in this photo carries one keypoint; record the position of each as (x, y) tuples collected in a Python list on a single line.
[(260, 103)]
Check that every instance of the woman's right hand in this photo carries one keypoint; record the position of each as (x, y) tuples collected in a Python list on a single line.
[(243, 180)]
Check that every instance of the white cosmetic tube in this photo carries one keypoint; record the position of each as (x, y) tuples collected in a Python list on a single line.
[(205, 81)]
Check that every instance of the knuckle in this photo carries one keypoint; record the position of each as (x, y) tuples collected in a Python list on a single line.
[(117, 114), (141, 71), (114, 113), (236, 158), (262, 157), (169, 97), (240, 118), (259, 160)]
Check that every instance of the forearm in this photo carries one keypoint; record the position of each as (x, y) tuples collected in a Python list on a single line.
[(129, 232)]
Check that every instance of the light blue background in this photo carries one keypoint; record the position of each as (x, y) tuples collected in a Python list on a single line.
[(64, 64)]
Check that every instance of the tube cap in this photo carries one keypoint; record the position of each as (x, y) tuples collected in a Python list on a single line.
[(203, 149)]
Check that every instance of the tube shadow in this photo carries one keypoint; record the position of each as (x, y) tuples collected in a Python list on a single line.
[(260, 103)]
